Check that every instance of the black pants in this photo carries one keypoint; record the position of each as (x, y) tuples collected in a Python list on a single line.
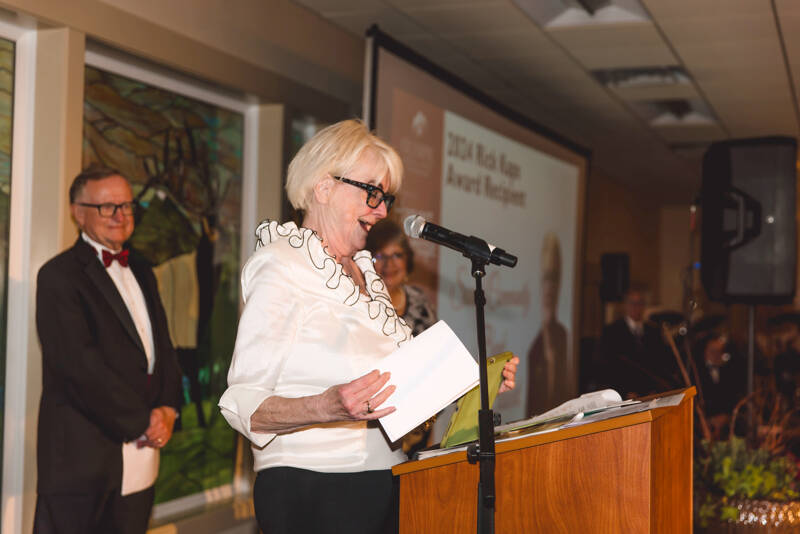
[(94, 513), (296, 501)]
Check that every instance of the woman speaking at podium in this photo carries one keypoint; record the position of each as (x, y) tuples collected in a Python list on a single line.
[(316, 315)]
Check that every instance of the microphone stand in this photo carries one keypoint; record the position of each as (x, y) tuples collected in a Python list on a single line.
[(483, 452)]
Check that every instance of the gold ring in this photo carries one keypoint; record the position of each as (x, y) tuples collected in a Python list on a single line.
[(158, 440), (369, 408)]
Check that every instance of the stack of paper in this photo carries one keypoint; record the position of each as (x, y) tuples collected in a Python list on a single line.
[(430, 372), (586, 403), (627, 409)]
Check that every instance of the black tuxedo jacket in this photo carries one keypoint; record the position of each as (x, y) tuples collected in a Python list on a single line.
[(96, 393)]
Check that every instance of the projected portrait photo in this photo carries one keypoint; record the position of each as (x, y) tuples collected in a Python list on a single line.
[(548, 356)]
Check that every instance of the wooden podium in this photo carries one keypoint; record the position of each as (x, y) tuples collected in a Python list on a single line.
[(630, 474)]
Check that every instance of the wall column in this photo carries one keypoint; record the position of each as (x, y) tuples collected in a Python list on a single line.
[(48, 117)]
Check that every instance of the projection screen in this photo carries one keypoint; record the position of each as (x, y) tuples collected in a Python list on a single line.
[(476, 167)]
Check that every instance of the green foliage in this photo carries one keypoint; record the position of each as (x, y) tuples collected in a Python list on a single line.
[(728, 513), (737, 471), (731, 470), (196, 458)]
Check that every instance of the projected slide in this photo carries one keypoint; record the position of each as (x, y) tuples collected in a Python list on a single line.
[(475, 172)]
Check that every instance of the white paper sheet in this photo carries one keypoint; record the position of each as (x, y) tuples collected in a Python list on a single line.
[(619, 411), (430, 372), (595, 400)]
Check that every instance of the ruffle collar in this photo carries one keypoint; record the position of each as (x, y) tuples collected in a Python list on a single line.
[(378, 304)]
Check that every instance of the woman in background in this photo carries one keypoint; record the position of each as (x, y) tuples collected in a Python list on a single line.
[(394, 261)]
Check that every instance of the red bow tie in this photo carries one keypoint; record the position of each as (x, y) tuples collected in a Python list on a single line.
[(121, 257)]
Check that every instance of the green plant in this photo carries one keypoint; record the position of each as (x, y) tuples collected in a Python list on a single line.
[(728, 470)]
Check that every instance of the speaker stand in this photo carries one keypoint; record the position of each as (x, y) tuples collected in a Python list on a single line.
[(751, 357)]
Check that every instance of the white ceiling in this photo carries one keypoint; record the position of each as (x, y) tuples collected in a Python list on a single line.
[(742, 58)]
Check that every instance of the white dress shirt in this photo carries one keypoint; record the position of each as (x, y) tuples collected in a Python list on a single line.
[(636, 327), (306, 327), (139, 465)]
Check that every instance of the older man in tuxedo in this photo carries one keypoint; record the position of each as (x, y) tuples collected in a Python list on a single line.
[(111, 382)]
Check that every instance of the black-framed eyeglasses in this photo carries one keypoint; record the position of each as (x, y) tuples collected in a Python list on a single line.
[(109, 209), (375, 194)]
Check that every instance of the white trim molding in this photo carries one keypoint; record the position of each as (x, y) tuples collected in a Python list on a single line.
[(20, 331)]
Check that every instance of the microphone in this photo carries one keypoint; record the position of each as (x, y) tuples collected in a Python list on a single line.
[(470, 246)]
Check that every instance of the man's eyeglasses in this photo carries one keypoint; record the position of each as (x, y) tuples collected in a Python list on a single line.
[(108, 209), (375, 194), (384, 258)]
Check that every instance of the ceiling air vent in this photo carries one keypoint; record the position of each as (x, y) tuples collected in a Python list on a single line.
[(591, 6), (553, 13), (673, 112), (642, 77), (680, 121)]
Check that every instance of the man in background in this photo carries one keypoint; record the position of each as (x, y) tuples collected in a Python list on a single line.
[(111, 382), (635, 360)]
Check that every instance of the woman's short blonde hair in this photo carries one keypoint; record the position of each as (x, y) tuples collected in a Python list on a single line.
[(335, 150)]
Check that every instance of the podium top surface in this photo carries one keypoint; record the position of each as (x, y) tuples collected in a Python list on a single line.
[(647, 416)]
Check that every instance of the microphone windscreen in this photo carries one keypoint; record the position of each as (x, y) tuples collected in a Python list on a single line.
[(413, 225)]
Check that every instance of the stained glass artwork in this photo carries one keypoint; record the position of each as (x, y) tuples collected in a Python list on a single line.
[(6, 109), (302, 127), (183, 158)]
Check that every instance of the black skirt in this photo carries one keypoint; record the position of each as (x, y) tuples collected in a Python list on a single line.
[(298, 501)]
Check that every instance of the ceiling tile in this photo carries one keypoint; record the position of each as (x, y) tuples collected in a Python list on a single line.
[(615, 45), (656, 92), (625, 57), (471, 17), (404, 4), (324, 7), (606, 35), (671, 9), (716, 28), (787, 7), (473, 74), (790, 26), (388, 19), (729, 58), (691, 134), (504, 44)]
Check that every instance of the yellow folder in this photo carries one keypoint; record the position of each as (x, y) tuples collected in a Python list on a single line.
[(463, 426)]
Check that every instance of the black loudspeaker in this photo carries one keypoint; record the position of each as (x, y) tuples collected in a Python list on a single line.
[(616, 276), (749, 243)]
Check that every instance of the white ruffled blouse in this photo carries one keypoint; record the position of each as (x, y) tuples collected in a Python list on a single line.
[(305, 327)]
